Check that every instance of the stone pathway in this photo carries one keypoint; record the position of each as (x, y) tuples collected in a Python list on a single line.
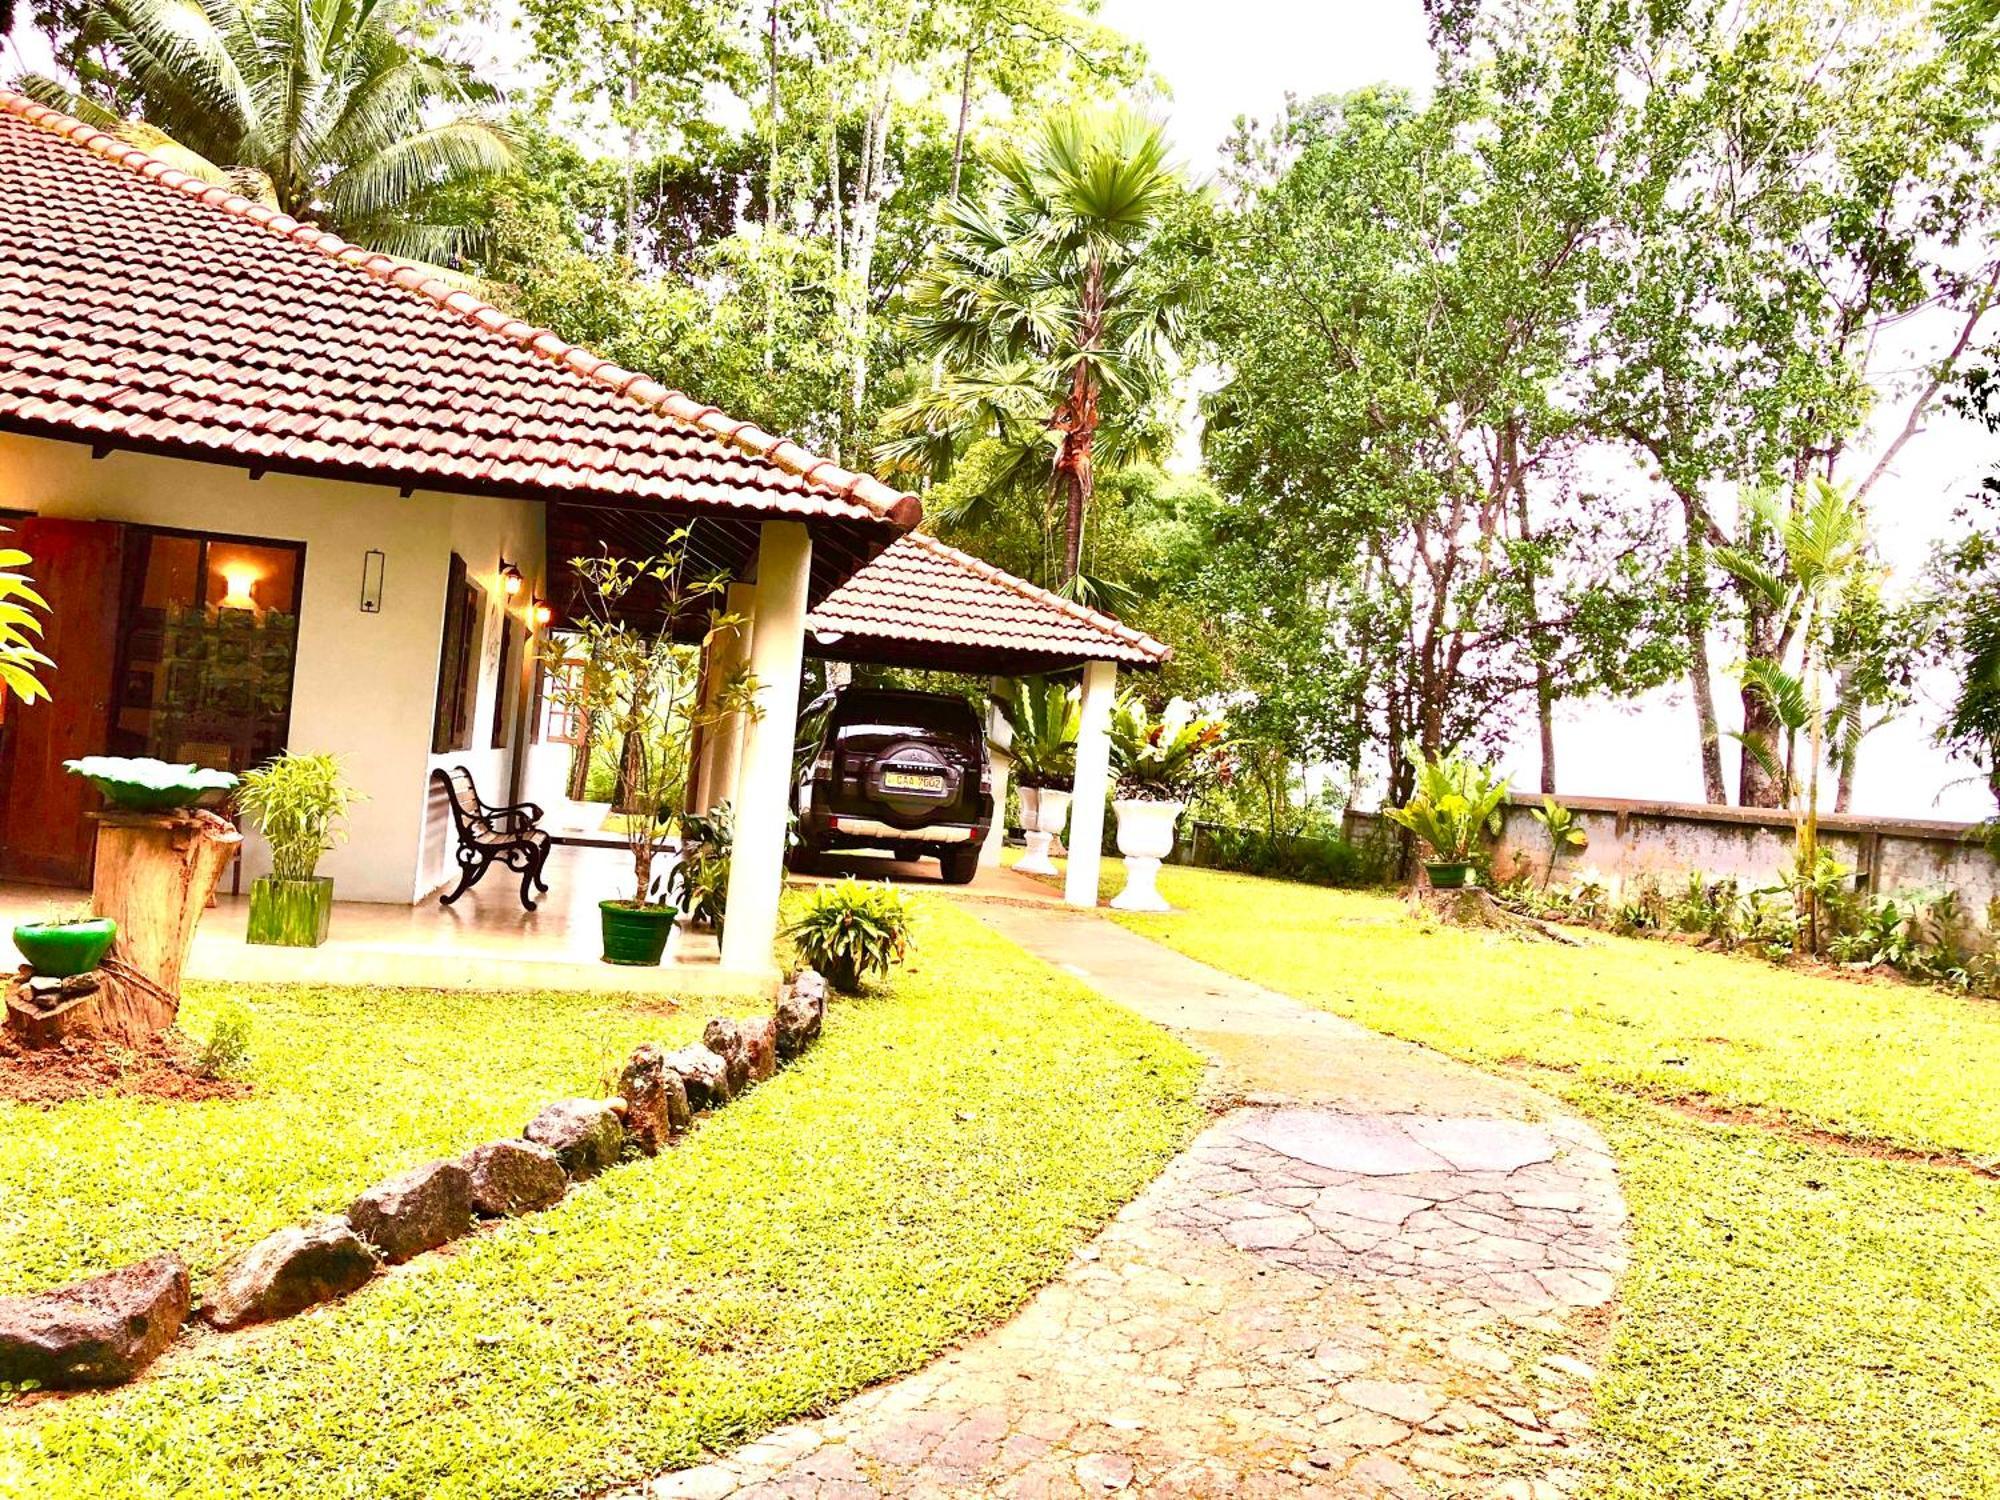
[(1373, 1276)]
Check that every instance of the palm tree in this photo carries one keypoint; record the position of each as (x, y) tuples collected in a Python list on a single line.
[(1051, 325), (1825, 548), (317, 107)]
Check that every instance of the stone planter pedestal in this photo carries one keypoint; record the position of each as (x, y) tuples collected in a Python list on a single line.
[(1044, 810), (1145, 837)]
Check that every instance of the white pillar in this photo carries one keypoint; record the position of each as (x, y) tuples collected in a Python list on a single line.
[(998, 736), (722, 742), (1093, 783), (777, 652)]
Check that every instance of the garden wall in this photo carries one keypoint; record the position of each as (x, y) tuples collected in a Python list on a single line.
[(1667, 840)]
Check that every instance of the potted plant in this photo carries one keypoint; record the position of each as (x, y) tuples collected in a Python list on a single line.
[(300, 803), (699, 880), (65, 943), (1456, 803), (852, 932), (1160, 763), (1042, 719), (641, 683)]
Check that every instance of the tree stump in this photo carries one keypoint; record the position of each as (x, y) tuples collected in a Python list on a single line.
[(155, 874), (1469, 906), (46, 1012)]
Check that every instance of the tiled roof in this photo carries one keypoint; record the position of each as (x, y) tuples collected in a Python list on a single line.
[(923, 592), (143, 308)]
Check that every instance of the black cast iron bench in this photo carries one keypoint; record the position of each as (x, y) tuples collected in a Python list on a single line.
[(489, 835)]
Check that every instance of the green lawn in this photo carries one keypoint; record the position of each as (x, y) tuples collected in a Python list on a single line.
[(911, 1180), (1799, 1321)]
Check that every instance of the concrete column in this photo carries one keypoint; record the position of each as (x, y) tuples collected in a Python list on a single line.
[(998, 736), (1093, 783), (763, 783), (722, 742)]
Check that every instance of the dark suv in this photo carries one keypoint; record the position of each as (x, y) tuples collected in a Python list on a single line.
[(880, 768)]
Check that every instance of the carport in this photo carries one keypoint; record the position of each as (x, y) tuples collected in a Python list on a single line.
[(922, 604)]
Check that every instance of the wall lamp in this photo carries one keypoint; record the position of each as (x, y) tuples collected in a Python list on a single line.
[(510, 578), (541, 613)]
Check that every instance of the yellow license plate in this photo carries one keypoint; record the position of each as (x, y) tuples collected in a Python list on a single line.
[(911, 781)]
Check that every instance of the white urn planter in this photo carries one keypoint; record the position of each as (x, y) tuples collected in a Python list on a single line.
[(1145, 837), (1044, 811)]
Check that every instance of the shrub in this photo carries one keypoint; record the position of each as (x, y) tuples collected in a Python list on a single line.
[(699, 882), (228, 1046), (1456, 803), (299, 802), (852, 932)]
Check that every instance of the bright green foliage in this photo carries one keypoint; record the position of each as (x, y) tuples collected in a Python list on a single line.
[(1561, 828), (1044, 718), (21, 610), (935, 1158), (1456, 803), (300, 804), (319, 107), (699, 881), (852, 932), (1054, 321), (1166, 757)]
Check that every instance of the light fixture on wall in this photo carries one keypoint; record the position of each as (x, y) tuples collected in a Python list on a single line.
[(239, 585), (372, 563), (510, 578), (541, 612)]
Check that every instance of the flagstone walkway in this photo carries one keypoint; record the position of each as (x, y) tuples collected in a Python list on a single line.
[(1378, 1273)]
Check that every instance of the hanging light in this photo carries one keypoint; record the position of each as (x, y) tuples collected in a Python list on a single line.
[(510, 578)]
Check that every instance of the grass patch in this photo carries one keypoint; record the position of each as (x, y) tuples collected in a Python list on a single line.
[(911, 1180), (1900, 1063), (1798, 1321)]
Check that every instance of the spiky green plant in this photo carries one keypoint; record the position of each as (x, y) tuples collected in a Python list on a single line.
[(1563, 831), (321, 108), (1043, 719), (1456, 803), (852, 932)]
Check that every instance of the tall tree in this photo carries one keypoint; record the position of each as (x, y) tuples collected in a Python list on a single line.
[(1051, 321), (1804, 184), (1400, 289), (320, 107)]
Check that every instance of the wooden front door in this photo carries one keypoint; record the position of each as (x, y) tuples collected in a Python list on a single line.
[(79, 568)]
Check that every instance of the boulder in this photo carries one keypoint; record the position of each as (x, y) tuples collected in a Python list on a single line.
[(724, 1038), (513, 1177), (656, 1101), (585, 1134), (289, 1271), (800, 1015), (703, 1074), (103, 1331), (414, 1211), (760, 1045)]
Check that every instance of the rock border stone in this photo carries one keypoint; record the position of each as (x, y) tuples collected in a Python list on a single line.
[(106, 1329)]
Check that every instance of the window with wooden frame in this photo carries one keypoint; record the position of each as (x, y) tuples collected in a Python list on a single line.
[(458, 660)]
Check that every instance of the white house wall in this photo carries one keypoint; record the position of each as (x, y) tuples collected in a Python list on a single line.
[(365, 684)]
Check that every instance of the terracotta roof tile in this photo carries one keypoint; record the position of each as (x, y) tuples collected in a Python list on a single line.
[(236, 332), (922, 590)]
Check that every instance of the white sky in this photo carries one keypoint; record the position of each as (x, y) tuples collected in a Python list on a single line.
[(1242, 58)]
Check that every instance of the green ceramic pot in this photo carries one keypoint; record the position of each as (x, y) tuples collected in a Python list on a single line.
[(290, 913), (1449, 875), (56, 950), (635, 934)]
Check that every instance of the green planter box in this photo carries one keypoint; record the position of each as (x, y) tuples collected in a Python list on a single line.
[(290, 913), (635, 934)]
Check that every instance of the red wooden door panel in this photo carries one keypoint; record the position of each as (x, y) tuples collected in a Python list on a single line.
[(78, 567)]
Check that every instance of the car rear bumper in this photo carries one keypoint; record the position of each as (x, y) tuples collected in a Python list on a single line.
[(844, 826)]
